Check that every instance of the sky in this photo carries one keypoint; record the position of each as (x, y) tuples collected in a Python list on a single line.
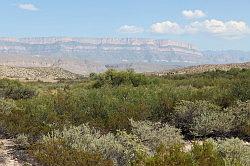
[(208, 24)]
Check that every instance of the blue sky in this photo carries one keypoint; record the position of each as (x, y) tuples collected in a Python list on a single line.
[(209, 24)]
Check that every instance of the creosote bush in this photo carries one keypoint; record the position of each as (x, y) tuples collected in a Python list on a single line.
[(235, 151), (206, 155), (202, 118), (115, 78), (57, 153), (200, 155), (121, 148), (241, 112), (155, 134)]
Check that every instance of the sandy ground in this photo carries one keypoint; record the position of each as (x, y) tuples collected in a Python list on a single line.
[(6, 153)]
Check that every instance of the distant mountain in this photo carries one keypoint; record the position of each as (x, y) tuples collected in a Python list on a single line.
[(86, 55), (227, 56)]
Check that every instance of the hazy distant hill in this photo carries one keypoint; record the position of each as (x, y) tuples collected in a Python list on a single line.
[(227, 56), (86, 55), (48, 74), (205, 68)]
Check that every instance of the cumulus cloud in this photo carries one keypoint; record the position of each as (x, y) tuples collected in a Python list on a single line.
[(229, 29), (28, 6), (166, 27), (130, 29), (193, 14), (225, 29)]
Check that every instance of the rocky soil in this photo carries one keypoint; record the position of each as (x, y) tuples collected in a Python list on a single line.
[(46, 74), (7, 157), (204, 68)]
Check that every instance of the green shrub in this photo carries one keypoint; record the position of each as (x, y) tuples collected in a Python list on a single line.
[(90, 140), (34, 117), (115, 78), (21, 92), (111, 109), (121, 148), (235, 151), (206, 155), (173, 156), (241, 111), (57, 153), (6, 106), (200, 155), (202, 118), (22, 141), (155, 134), (241, 90), (215, 123)]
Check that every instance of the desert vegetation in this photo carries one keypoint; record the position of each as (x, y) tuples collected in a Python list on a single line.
[(125, 118)]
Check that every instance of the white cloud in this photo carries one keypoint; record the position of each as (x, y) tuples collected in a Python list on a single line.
[(193, 14), (130, 29), (193, 27), (166, 27), (229, 29), (28, 6)]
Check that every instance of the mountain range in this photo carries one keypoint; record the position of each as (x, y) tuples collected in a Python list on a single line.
[(87, 55)]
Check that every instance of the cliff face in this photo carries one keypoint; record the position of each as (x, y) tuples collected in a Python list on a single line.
[(86, 55), (53, 45), (100, 41)]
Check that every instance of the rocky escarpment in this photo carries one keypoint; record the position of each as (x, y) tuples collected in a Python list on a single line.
[(87, 55), (103, 50), (107, 43)]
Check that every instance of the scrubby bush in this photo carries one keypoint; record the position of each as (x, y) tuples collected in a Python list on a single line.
[(173, 156), (121, 148), (90, 140), (111, 109), (57, 153), (212, 123), (155, 134), (241, 112), (241, 90), (133, 144), (33, 117), (6, 106), (17, 93), (202, 118), (15, 90), (204, 154), (186, 111), (235, 151), (115, 78), (5, 84), (22, 141)]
